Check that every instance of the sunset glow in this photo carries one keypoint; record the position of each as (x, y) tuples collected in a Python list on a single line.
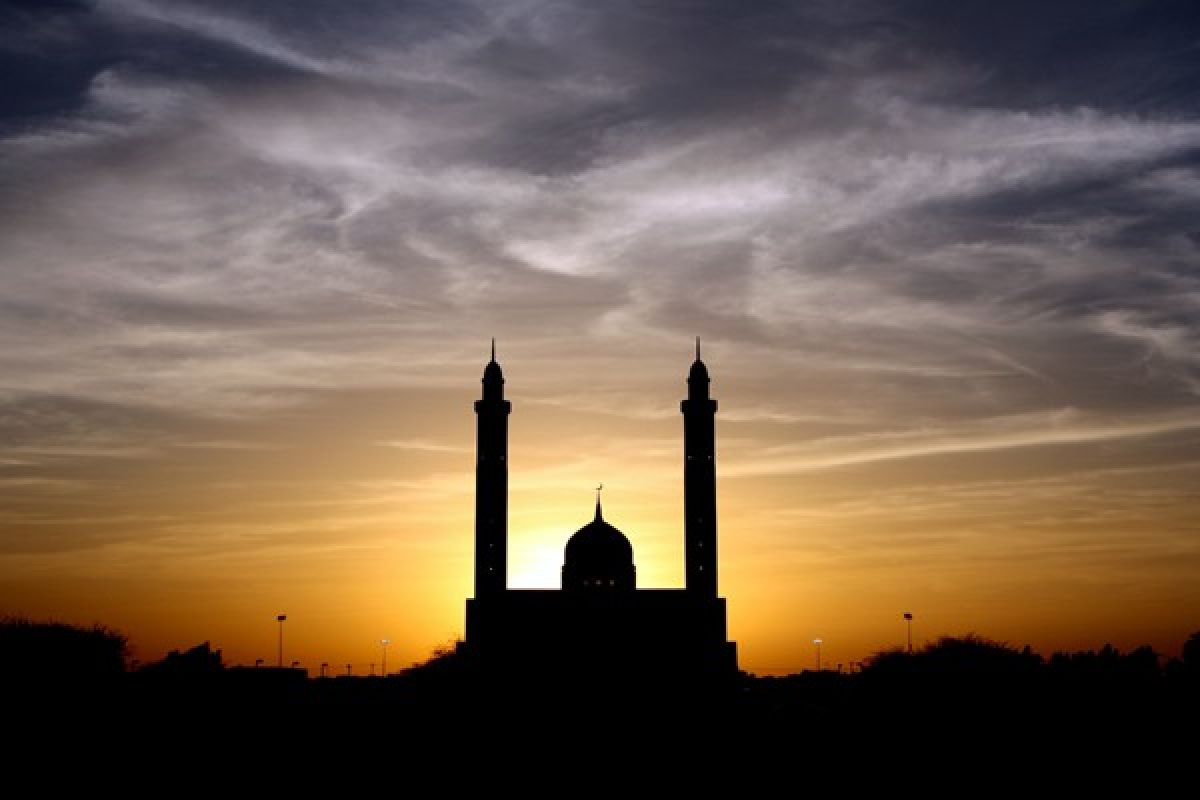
[(251, 259)]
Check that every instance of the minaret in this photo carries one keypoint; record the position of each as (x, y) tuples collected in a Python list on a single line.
[(491, 483), (699, 483)]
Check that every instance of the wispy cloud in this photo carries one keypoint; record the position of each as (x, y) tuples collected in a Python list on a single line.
[(1042, 429), (226, 444), (423, 445)]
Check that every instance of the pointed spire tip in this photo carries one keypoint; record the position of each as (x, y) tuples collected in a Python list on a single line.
[(697, 348), (493, 348)]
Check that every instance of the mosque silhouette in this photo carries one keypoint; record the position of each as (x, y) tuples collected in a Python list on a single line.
[(600, 622)]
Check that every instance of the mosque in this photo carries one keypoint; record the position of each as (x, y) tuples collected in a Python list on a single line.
[(599, 621)]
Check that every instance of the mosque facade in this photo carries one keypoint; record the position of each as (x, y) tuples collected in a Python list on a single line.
[(599, 620)]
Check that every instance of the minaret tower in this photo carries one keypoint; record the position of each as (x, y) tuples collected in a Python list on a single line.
[(699, 482), (491, 483)]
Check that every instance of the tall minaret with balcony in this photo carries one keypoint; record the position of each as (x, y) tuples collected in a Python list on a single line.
[(491, 483), (699, 482)]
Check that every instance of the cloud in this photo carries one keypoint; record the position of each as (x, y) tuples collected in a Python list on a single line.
[(225, 444), (903, 232), (238, 203), (1041, 429), (423, 445)]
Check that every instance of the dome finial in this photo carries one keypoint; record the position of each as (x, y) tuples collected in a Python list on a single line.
[(494, 348), (697, 348), (599, 489)]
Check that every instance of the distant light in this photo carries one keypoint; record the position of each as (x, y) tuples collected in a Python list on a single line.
[(817, 641), (386, 642)]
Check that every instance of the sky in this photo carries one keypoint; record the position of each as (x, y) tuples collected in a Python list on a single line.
[(944, 260)]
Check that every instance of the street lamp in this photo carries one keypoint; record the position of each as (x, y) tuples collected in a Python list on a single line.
[(324, 666), (817, 642), (384, 643), (280, 620), (908, 619)]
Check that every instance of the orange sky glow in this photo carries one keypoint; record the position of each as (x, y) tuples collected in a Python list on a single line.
[(945, 269), (352, 513)]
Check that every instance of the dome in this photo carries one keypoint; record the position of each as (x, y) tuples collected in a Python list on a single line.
[(598, 556), (599, 544)]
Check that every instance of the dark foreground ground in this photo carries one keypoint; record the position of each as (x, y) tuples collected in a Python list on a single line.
[(1097, 725), (1003, 720)]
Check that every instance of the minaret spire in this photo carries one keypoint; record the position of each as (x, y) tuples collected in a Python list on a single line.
[(494, 348), (599, 513), (699, 482)]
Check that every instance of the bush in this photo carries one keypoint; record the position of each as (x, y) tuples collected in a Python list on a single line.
[(41, 650)]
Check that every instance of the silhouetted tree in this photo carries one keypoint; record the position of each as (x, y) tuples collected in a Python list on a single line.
[(53, 650), (199, 660), (1191, 652), (1185, 670), (956, 680), (445, 659), (956, 656), (1107, 665)]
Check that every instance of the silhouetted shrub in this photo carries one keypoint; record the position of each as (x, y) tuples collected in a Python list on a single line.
[(1191, 652), (46, 650), (1107, 666), (956, 657), (199, 660), (447, 671)]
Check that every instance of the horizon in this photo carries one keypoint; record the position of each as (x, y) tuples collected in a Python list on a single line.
[(944, 264)]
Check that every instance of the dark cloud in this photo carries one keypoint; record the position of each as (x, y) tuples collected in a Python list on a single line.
[(46, 60), (912, 190), (1131, 56)]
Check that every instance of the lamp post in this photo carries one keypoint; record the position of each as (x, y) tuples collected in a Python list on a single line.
[(348, 666), (817, 642), (908, 619), (324, 666), (383, 667), (280, 620)]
